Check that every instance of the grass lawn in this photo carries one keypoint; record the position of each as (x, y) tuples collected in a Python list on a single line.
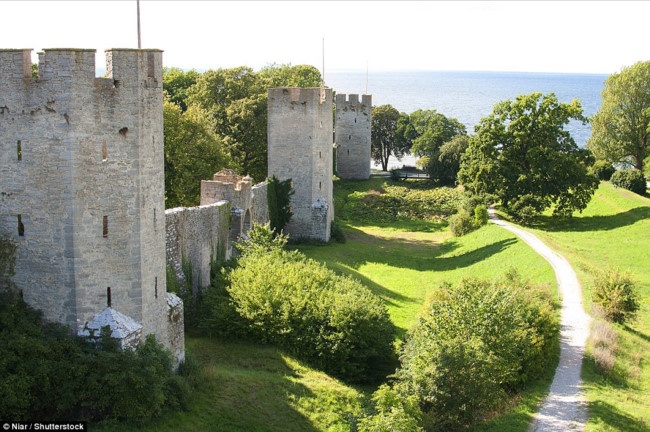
[(613, 231)]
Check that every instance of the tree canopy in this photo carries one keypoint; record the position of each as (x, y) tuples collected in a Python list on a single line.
[(621, 127), (522, 155), (387, 134), (192, 153), (429, 132)]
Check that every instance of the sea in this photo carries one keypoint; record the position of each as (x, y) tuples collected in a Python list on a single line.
[(468, 96)]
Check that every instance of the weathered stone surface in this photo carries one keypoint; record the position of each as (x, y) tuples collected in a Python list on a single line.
[(82, 183), (300, 140), (353, 126)]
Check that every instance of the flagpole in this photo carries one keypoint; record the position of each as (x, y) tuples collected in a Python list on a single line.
[(139, 41)]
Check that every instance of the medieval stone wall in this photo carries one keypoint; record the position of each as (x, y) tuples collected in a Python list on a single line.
[(300, 139), (353, 125), (82, 183)]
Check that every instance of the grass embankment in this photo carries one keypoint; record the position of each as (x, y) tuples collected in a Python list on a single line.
[(246, 387), (613, 231)]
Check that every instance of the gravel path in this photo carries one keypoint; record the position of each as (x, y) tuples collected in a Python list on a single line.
[(565, 407)]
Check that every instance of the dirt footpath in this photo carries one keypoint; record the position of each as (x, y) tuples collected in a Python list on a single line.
[(565, 408)]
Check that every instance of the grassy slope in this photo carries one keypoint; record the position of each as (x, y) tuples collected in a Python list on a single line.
[(614, 230), (245, 387)]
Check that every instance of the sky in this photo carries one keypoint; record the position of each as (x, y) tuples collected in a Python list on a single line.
[(529, 36)]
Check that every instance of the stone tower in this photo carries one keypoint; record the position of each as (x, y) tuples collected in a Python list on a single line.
[(300, 139), (353, 125), (82, 187)]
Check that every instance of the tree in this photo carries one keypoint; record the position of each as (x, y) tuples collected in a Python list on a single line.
[(192, 153), (176, 83), (621, 128), (387, 134), (522, 155)]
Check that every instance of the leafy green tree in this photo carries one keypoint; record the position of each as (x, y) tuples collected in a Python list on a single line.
[(432, 130), (192, 153), (285, 75), (387, 134), (620, 131), (279, 202), (176, 84), (522, 155)]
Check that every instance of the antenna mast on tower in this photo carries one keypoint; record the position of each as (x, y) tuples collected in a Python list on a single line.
[(139, 42)]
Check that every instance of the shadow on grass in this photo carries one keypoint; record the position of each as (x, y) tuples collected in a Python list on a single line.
[(420, 255), (637, 333), (605, 414), (592, 223)]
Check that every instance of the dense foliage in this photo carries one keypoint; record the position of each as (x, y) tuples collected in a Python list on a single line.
[(279, 201), (620, 130), (522, 155), (630, 179), (387, 135), (474, 344), (392, 202), (333, 322), (616, 294), (47, 374), (192, 153), (440, 141), (603, 170), (7, 262)]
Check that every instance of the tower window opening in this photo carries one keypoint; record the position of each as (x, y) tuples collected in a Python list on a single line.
[(108, 297), (155, 287), (104, 152), (19, 150), (21, 226), (105, 227)]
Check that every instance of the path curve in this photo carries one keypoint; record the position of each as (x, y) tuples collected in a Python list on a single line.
[(565, 407)]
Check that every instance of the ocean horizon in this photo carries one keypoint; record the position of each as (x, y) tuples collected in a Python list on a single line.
[(469, 96)]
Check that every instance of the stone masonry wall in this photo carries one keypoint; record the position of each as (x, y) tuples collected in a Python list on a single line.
[(197, 235), (82, 183), (260, 203), (300, 140), (353, 126)]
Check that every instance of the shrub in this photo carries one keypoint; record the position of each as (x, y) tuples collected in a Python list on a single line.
[(475, 343), (525, 209), (461, 223), (332, 322), (279, 201), (615, 292), (337, 233), (7, 262), (392, 412), (603, 170), (48, 374), (630, 179), (480, 215)]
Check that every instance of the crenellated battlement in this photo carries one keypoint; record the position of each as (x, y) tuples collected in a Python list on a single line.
[(128, 67), (353, 99)]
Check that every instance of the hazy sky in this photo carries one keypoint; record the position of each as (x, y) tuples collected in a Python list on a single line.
[(546, 36)]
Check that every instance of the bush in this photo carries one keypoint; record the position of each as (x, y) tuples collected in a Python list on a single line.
[(616, 294), (525, 209), (630, 179), (48, 374), (279, 201), (7, 262), (332, 322), (392, 412), (480, 215), (603, 170), (461, 223), (474, 344), (337, 233)]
